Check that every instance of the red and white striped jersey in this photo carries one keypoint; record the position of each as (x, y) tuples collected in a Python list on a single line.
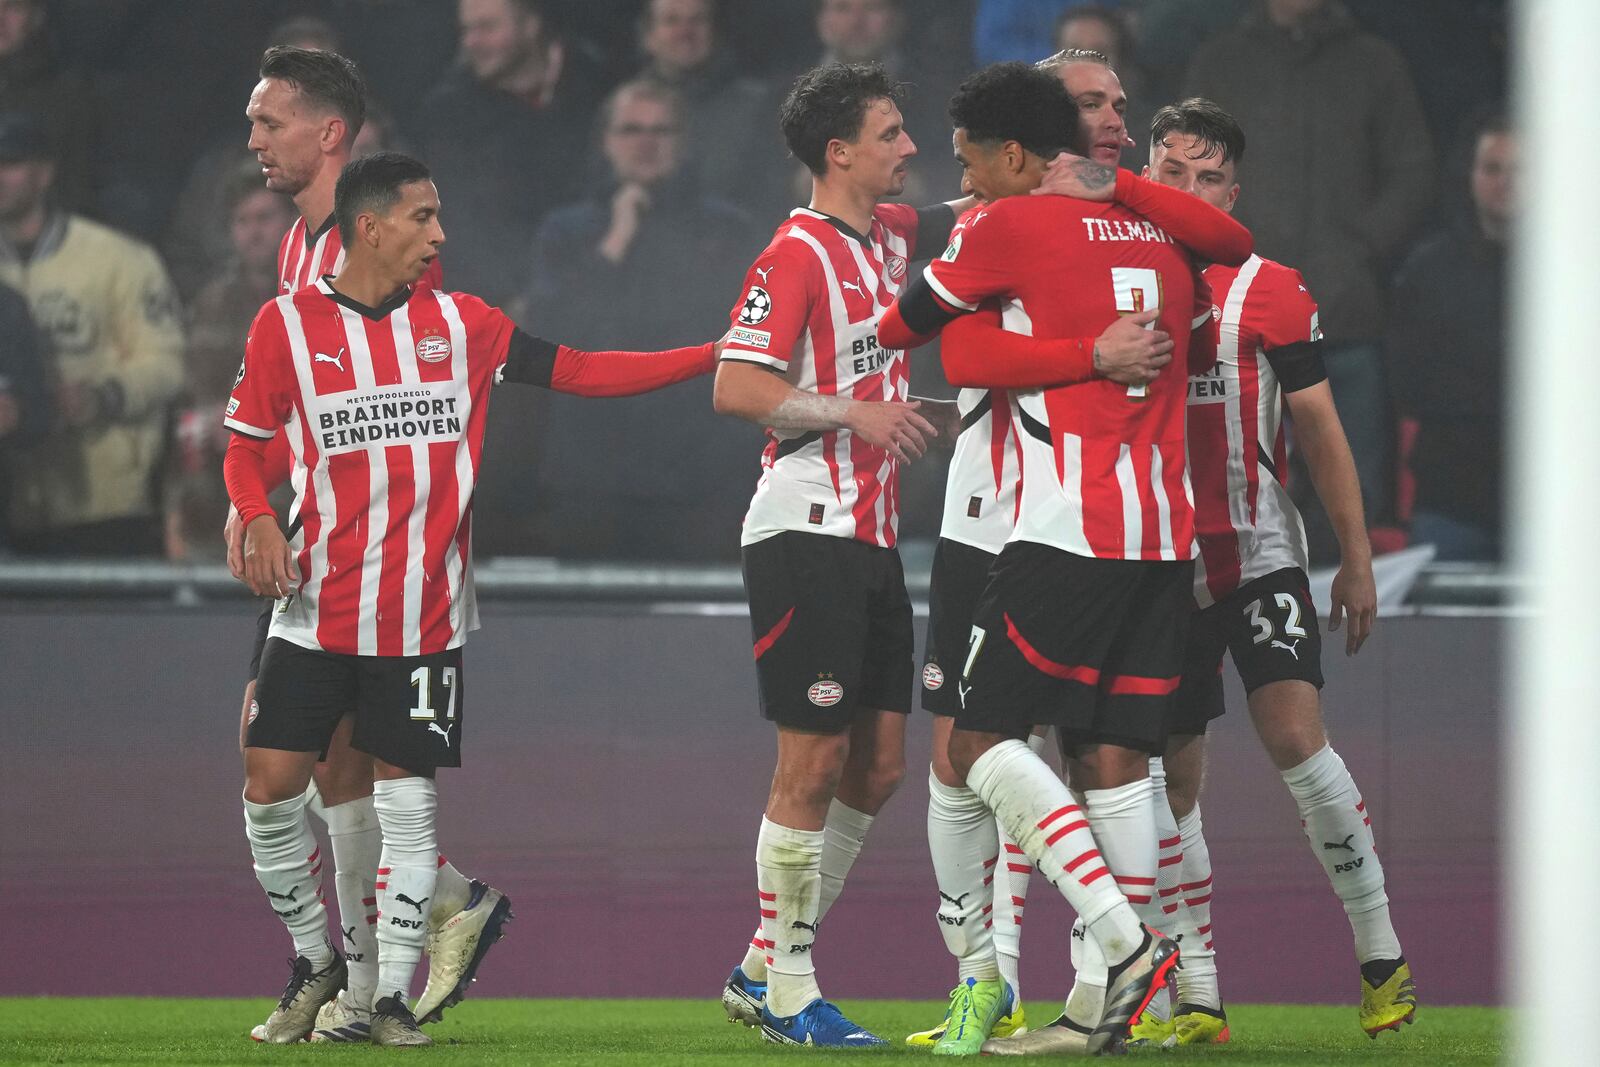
[(980, 491), (384, 411), (304, 256), (809, 310), (1103, 470), (1246, 523)]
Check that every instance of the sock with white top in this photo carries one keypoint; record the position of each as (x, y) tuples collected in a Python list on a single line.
[(288, 865), (356, 841), (789, 882), (965, 851), (407, 877)]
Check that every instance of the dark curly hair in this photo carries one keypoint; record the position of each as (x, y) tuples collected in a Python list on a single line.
[(1017, 102), (1207, 123), (830, 103)]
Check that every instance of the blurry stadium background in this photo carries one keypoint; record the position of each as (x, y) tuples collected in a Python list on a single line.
[(616, 762)]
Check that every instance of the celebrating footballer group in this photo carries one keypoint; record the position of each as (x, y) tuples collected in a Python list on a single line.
[(1115, 521)]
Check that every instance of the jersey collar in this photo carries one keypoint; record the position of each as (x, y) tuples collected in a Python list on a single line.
[(376, 314), (837, 223)]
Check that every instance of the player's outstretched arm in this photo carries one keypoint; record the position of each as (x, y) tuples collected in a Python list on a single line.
[(275, 472), (1208, 232), (756, 394), (1321, 438), (978, 354), (534, 361), (268, 561)]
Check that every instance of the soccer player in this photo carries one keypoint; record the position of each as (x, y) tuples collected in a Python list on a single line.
[(381, 389), (1250, 585), (980, 503), (828, 604), (305, 113), (1103, 524)]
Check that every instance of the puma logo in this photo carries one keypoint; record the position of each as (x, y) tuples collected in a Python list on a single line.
[(434, 727), (853, 286), (1292, 649), (1333, 846), (764, 272), (402, 898), (349, 933), (336, 360), (284, 896), (956, 901), (962, 689), (798, 925)]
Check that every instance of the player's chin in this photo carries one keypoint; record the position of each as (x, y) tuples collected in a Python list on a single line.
[(1105, 155), (897, 183)]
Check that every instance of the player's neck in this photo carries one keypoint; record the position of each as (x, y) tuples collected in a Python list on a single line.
[(315, 201), (849, 205), (367, 282)]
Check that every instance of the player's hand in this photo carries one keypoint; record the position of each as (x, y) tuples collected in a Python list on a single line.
[(233, 537), (1355, 594), (892, 426), (1132, 351), (269, 568), (1075, 176), (944, 416)]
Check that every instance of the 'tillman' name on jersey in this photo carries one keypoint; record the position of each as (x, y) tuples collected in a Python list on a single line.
[(410, 416), (1124, 230)]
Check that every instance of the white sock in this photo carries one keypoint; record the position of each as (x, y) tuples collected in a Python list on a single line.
[(962, 841), (1169, 864), (356, 841), (288, 865), (407, 877), (314, 804), (1339, 831), (843, 833), (1037, 810), (1197, 977), (1124, 822), (1011, 879), (450, 893), (789, 880)]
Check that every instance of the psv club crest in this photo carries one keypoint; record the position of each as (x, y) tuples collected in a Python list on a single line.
[(433, 348)]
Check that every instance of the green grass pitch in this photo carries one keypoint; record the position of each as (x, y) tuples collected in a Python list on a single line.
[(64, 1030)]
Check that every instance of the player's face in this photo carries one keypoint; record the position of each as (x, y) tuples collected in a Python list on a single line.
[(256, 226), (1182, 161), (642, 140), (880, 156), (1101, 107), (287, 135), (679, 33), (409, 234), (857, 30), (496, 37), (1494, 173), (23, 185), (989, 171)]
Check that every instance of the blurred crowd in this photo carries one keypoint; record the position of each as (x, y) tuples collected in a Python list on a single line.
[(607, 170)]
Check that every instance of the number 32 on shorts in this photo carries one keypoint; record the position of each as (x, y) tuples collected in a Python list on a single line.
[(1263, 625), (422, 682)]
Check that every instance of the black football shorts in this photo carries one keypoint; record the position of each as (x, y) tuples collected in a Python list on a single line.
[(960, 573)]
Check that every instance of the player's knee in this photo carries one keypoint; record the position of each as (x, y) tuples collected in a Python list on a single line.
[(884, 776), (963, 751), (1182, 796)]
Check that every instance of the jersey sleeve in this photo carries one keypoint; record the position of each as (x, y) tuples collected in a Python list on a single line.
[(979, 263), (1289, 314), (774, 307), (1291, 333), (262, 392), (1209, 232), (489, 333)]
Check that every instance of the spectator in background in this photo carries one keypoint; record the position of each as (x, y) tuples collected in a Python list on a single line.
[(1021, 30), (197, 241), (647, 255), (874, 31), (1095, 28), (110, 319), (493, 130), (219, 319), (733, 145), (1447, 350), (33, 79), (1340, 176), (24, 398)]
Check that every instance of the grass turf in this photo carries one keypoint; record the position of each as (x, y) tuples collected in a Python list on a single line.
[(66, 1030)]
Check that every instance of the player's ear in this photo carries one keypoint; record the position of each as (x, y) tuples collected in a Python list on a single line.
[(333, 133)]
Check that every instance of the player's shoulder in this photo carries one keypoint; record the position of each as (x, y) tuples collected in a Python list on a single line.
[(794, 243), (1280, 282)]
